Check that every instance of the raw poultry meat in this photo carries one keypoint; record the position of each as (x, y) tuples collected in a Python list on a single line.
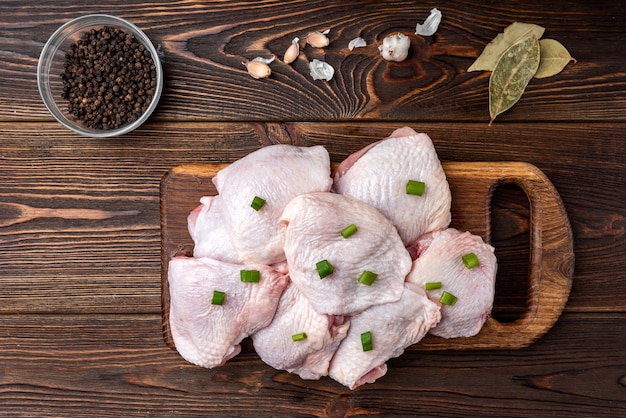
[(440, 261), (393, 327), (208, 231), (276, 174), (317, 337), (313, 235), (378, 175), (207, 334), (333, 265)]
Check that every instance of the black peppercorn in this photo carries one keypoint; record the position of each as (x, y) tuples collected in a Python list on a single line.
[(102, 73)]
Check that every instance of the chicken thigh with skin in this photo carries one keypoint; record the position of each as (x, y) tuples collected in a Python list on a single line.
[(393, 327), (208, 231), (320, 335), (379, 173), (313, 234), (208, 334), (277, 174), (439, 259)]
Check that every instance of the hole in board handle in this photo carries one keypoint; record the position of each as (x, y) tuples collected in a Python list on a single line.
[(510, 235)]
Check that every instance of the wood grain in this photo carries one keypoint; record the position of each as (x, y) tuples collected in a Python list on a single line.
[(204, 44), (80, 323), (113, 265), (117, 365)]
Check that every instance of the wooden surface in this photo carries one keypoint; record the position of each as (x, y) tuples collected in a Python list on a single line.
[(80, 288), (472, 185)]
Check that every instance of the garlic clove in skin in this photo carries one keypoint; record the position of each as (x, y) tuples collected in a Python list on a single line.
[(395, 47), (259, 67), (292, 52), (318, 39)]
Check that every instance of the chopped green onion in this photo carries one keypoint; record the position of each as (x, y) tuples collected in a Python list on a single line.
[(299, 337), (415, 187), (366, 341), (249, 276), (348, 230), (447, 298), (470, 260), (257, 203), (324, 268), (218, 298), (367, 277), (432, 285)]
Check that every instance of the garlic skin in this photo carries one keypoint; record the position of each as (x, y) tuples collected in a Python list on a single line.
[(259, 67), (292, 52), (318, 39), (321, 70), (395, 47), (430, 25), (356, 43)]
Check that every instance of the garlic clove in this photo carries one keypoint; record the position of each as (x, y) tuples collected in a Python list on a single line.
[(292, 52), (318, 39), (259, 67), (321, 70), (395, 47)]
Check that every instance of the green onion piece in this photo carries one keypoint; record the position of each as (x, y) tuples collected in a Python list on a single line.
[(299, 337), (348, 230), (366, 341), (415, 187), (470, 260), (218, 298), (324, 268), (367, 277), (447, 298), (257, 203), (249, 276), (432, 285)]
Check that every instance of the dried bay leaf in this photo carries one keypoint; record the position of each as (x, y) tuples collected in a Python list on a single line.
[(512, 34), (512, 73), (554, 57)]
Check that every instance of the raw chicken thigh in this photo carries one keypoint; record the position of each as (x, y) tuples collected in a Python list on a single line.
[(379, 174), (208, 334), (440, 260), (208, 231), (313, 235), (393, 327), (276, 174), (317, 336), (343, 272)]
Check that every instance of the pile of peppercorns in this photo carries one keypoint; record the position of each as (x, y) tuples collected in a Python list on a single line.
[(109, 78)]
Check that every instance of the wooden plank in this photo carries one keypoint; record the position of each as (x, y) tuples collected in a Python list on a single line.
[(204, 44), (117, 365), (105, 256), (471, 184), (113, 265)]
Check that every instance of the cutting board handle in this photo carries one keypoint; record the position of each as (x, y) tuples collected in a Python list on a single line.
[(551, 261)]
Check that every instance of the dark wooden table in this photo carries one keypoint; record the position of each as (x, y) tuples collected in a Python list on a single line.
[(80, 302)]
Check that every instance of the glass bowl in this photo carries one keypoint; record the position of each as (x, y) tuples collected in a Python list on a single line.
[(52, 65)]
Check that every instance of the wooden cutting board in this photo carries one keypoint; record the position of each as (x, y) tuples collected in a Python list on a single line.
[(551, 261)]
